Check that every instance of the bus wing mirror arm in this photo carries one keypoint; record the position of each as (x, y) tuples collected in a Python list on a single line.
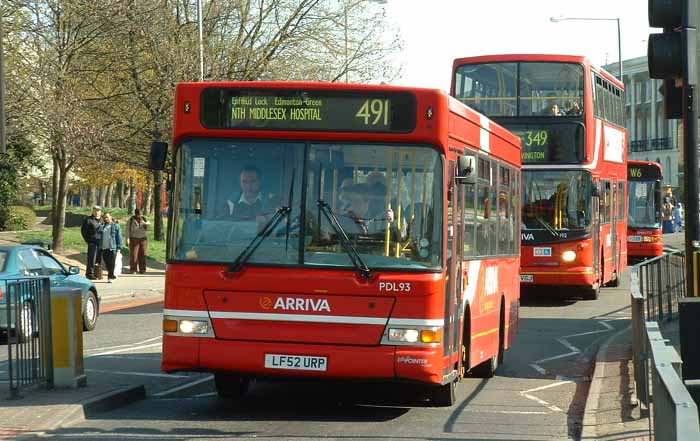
[(465, 172)]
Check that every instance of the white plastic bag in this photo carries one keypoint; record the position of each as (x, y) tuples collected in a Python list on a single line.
[(118, 261)]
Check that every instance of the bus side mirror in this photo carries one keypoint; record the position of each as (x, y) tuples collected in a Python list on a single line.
[(159, 153), (466, 169)]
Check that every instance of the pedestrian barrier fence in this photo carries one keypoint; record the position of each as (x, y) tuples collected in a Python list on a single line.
[(675, 414), (25, 312), (656, 286), (662, 283)]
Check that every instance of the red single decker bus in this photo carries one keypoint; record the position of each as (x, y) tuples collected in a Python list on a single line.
[(644, 235), (570, 117), (339, 232)]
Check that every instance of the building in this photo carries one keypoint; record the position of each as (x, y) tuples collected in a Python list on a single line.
[(651, 136)]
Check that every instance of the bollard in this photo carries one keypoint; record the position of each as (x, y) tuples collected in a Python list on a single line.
[(689, 327), (67, 337)]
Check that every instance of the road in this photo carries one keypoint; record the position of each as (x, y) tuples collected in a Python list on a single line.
[(538, 394)]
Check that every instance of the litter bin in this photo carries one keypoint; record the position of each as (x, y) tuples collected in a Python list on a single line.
[(67, 337)]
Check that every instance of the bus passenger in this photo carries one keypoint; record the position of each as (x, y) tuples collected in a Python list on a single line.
[(358, 219)]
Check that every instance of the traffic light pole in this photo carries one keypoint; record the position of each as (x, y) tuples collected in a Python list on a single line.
[(692, 189)]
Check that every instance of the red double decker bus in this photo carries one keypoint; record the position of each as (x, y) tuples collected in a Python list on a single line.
[(570, 117), (339, 232), (644, 234)]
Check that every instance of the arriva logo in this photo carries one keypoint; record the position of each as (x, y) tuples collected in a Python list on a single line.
[(297, 304), (527, 236)]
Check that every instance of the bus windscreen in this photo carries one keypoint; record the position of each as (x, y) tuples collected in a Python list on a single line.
[(308, 110)]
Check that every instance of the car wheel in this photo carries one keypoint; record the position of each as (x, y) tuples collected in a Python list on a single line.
[(90, 312)]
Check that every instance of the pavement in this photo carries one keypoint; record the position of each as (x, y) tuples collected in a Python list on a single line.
[(612, 411), (40, 410)]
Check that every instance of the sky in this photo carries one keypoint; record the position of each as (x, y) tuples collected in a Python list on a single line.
[(435, 32)]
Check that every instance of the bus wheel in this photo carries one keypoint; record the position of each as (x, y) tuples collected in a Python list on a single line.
[(592, 292), (615, 282), (445, 395), (485, 369), (231, 386)]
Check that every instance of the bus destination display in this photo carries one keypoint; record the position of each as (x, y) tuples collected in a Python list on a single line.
[(541, 144), (643, 172), (282, 109)]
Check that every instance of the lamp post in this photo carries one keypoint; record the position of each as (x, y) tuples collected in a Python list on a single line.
[(619, 39), (345, 28), (201, 41)]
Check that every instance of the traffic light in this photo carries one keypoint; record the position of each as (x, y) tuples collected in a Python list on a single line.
[(673, 53), (673, 99)]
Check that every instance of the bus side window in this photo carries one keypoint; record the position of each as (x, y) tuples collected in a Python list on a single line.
[(469, 220)]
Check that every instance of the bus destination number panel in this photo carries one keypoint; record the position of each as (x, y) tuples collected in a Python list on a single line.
[(543, 144), (312, 110)]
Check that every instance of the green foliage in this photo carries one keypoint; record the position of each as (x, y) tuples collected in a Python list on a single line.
[(13, 165), (20, 217), (72, 240)]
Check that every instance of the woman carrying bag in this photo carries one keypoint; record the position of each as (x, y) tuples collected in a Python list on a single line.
[(110, 244)]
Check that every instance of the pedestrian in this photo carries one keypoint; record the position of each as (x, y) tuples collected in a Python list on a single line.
[(678, 217), (137, 241), (110, 244), (90, 230), (667, 215)]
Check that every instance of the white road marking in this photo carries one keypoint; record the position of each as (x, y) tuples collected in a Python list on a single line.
[(557, 357), (507, 412), (132, 348), (552, 407), (207, 394), (573, 350), (183, 386), (539, 368), (138, 374), (125, 345)]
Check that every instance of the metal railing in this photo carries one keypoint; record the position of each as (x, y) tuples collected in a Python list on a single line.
[(656, 285), (661, 284), (26, 315), (675, 414)]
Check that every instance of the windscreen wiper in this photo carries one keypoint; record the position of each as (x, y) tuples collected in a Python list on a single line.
[(344, 240), (258, 239), (547, 227)]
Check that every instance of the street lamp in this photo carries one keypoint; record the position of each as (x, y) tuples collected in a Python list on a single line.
[(619, 40), (345, 27), (201, 41)]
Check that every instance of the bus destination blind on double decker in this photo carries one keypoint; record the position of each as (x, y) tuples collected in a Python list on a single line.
[(550, 143), (644, 173), (311, 110)]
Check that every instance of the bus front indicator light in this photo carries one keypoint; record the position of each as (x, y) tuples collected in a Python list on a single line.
[(431, 336), (169, 325), (568, 256)]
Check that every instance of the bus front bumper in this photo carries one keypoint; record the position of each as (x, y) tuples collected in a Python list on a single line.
[(582, 276), (290, 360)]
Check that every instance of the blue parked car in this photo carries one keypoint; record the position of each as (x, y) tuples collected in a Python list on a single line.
[(20, 261)]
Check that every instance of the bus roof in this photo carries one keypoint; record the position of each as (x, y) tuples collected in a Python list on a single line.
[(639, 163), (538, 57)]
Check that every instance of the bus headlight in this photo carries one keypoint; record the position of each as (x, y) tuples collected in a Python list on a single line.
[(187, 326), (194, 327), (568, 256), (419, 335), (403, 335)]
